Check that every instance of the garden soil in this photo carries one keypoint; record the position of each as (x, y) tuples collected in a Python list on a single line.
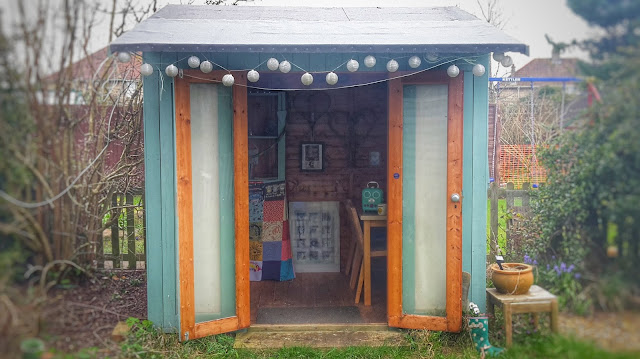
[(615, 331)]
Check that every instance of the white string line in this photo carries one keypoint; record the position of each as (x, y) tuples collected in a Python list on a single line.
[(329, 88), (437, 63), (30, 205)]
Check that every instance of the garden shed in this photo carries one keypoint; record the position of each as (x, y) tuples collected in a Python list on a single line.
[(272, 136)]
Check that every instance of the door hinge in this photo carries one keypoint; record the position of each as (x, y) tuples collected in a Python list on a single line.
[(186, 335)]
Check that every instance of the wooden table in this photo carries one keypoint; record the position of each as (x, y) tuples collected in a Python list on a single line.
[(536, 301), (370, 219)]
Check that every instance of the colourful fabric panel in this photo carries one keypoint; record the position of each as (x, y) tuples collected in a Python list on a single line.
[(272, 251), (271, 231)]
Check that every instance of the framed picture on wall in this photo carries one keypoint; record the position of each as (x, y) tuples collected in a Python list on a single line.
[(312, 157)]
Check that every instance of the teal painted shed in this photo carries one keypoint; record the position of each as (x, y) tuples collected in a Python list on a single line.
[(314, 165)]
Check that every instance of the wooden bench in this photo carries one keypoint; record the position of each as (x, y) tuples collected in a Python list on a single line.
[(536, 301)]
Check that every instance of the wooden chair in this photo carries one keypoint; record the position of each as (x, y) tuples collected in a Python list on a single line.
[(355, 259)]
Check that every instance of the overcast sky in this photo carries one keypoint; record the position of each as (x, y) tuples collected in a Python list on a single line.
[(527, 20)]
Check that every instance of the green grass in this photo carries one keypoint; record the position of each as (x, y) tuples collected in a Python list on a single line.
[(144, 342), (502, 223)]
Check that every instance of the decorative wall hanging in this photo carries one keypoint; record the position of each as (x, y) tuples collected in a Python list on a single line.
[(312, 157), (315, 236)]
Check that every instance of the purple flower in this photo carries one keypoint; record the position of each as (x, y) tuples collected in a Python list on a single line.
[(571, 268), (577, 276), (535, 262), (527, 259), (563, 267), (558, 271), (548, 266)]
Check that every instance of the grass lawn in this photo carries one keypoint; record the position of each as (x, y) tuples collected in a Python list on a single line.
[(421, 344)]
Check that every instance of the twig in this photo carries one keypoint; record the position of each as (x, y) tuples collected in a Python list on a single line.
[(95, 307), (11, 308)]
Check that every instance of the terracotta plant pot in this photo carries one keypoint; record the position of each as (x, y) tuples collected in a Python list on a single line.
[(514, 278)]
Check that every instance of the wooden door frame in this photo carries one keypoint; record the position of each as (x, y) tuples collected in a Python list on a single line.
[(396, 317), (189, 329)]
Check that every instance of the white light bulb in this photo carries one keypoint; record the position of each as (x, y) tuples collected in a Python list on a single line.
[(453, 71), (146, 69), (285, 66), (253, 76), (353, 65), (228, 80), (507, 61), (498, 56), (414, 62), (392, 65), (369, 61), (193, 62), (307, 79), (171, 70), (478, 70), (332, 78), (432, 57), (272, 64), (124, 57), (206, 67)]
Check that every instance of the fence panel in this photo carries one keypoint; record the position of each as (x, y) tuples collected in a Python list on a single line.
[(512, 221), (123, 243)]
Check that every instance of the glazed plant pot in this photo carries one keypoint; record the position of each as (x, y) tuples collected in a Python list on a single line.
[(513, 278)]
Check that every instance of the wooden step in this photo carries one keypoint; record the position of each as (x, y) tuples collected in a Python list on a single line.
[(319, 336)]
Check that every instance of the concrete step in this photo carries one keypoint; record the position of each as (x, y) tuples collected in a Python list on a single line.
[(319, 336)]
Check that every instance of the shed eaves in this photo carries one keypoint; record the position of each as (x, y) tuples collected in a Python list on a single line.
[(183, 28)]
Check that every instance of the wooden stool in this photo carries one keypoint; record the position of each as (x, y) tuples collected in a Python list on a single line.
[(536, 301)]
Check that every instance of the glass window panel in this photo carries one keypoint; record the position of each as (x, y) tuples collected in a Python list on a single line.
[(424, 199), (212, 181)]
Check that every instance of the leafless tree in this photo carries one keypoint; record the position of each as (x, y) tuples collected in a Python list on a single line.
[(85, 119)]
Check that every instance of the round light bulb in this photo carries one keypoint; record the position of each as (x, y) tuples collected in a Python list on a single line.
[(171, 70), (193, 62), (432, 57), (332, 78), (272, 64), (478, 70), (124, 57), (414, 62), (369, 61), (392, 65), (307, 79), (507, 61), (453, 71), (146, 69), (353, 65), (498, 56), (228, 80), (206, 67), (285, 66), (253, 76)]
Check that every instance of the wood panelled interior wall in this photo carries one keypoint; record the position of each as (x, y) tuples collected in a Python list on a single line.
[(352, 124)]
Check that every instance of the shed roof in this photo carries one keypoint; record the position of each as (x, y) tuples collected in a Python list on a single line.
[(183, 28)]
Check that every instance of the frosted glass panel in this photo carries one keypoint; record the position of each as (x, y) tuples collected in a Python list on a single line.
[(424, 199), (212, 203)]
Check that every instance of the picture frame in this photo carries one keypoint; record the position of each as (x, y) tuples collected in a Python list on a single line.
[(312, 156)]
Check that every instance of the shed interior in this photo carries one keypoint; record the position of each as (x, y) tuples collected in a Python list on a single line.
[(350, 125)]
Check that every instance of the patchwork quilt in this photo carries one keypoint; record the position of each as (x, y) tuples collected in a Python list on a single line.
[(269, 241)]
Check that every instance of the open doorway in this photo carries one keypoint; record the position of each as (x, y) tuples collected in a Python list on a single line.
[(313, 152)]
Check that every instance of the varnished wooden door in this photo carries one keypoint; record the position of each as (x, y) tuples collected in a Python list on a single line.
[(424, 223), (212, 204)]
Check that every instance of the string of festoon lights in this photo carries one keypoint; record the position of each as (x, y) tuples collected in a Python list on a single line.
[(331, 77)]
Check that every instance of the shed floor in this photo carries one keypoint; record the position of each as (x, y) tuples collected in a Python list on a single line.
[(318, 298)]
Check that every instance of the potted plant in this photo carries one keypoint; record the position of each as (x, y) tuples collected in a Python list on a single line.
[(478, 325), (512, 278)]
